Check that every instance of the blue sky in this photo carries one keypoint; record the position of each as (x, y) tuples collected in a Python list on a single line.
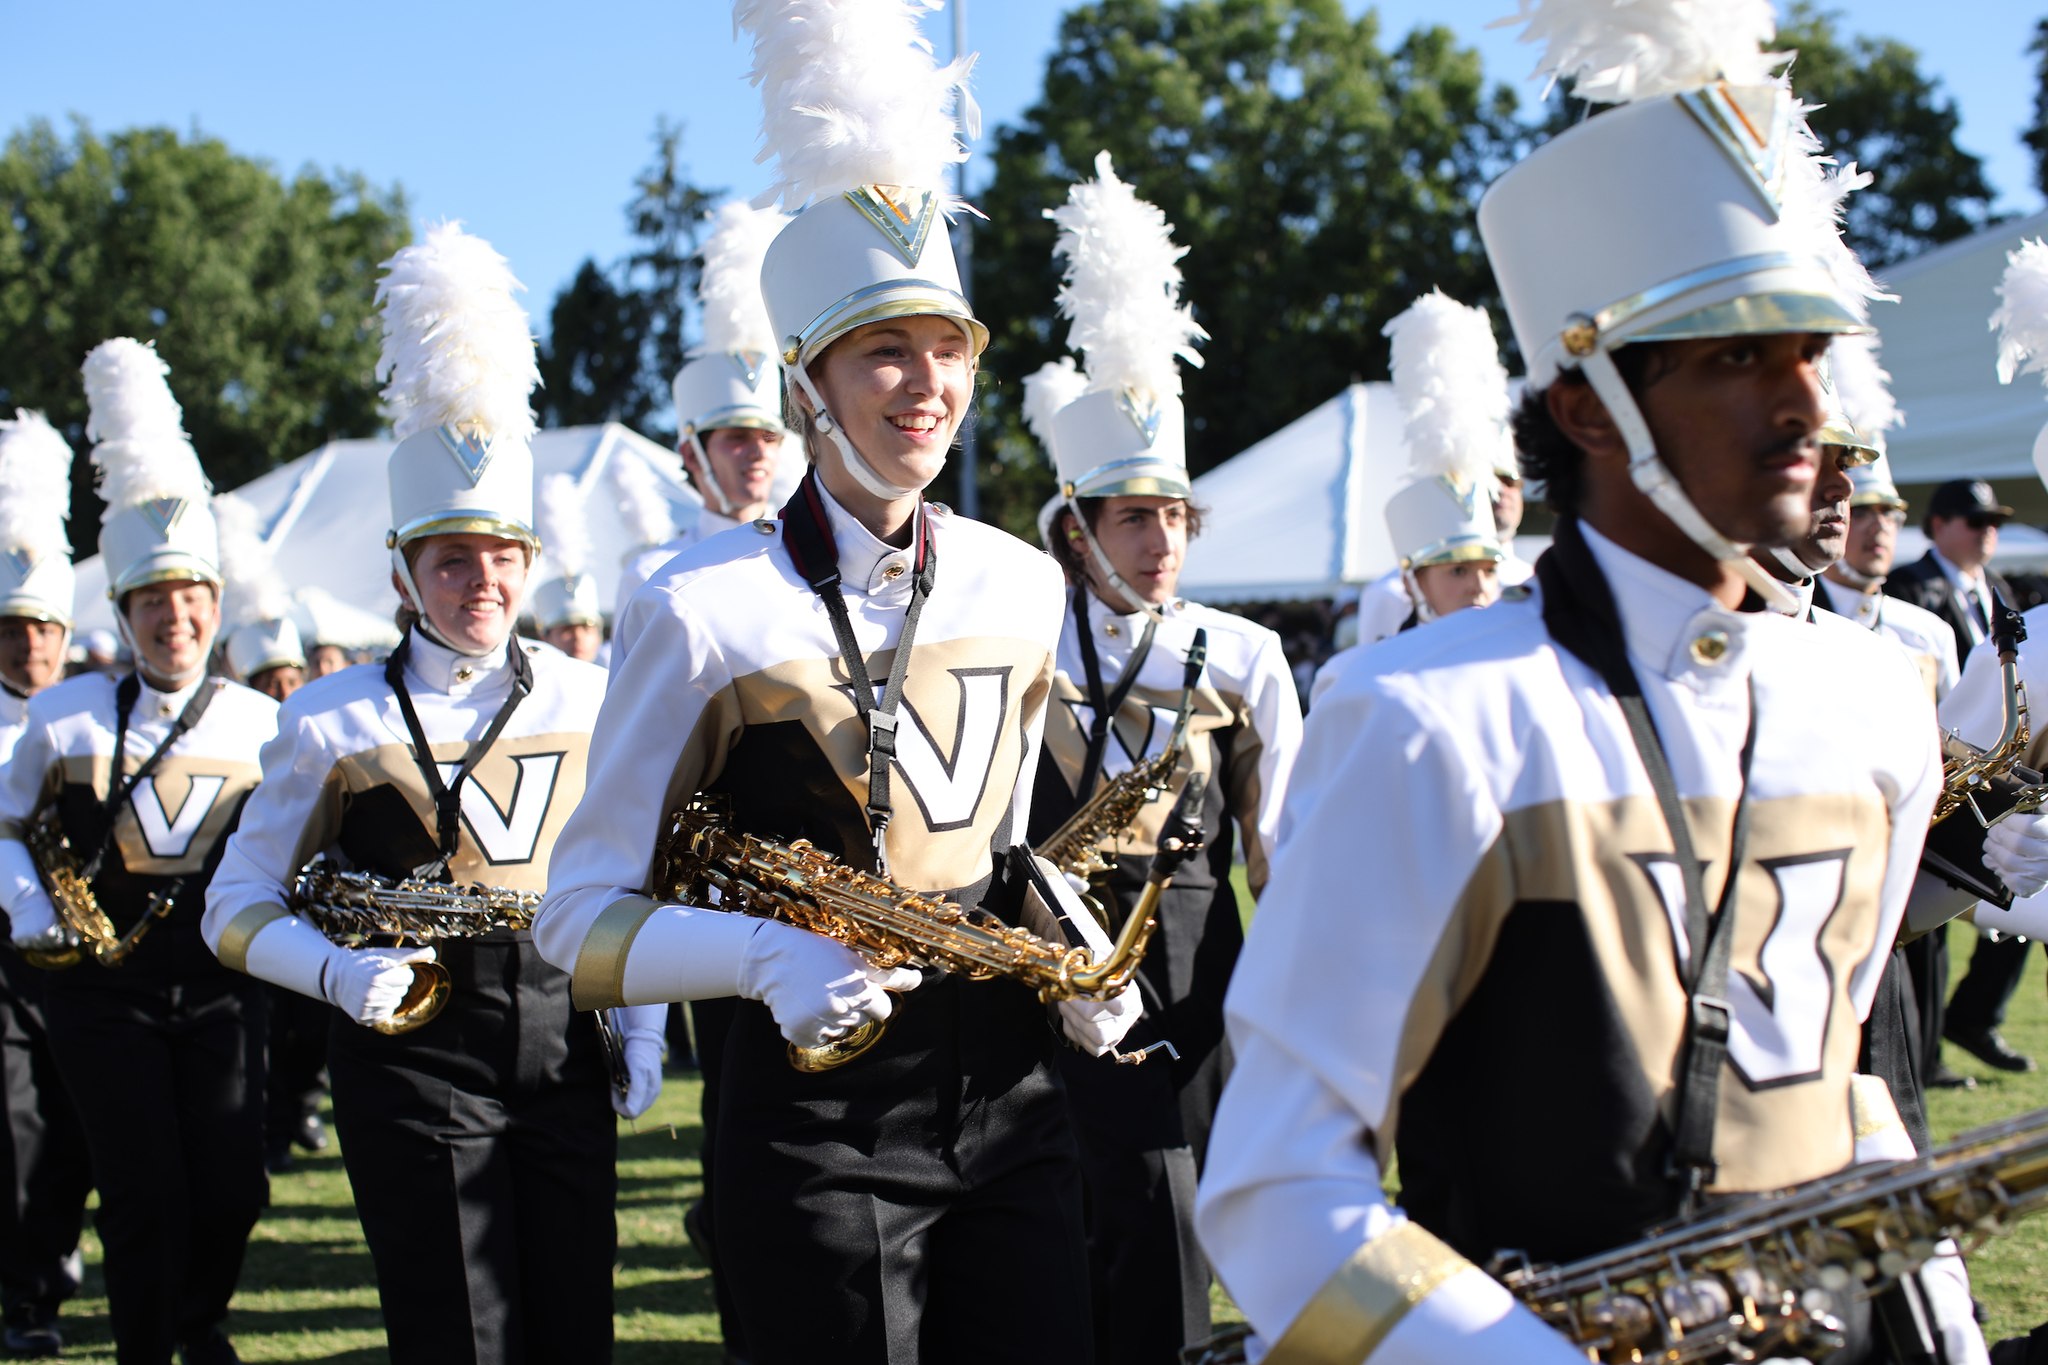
[(528, 120)]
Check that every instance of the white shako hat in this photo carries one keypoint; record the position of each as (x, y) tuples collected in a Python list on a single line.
[(2021, 322), (459, 368), (1860, 389), (1454, 405), (567, 594), (256, 607), (858, 118), (158, 524), (1699, 206), (731, 378), (36, 580)]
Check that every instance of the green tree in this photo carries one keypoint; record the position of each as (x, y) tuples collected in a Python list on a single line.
[(618, 333), (256, 290), (1320, 181), (1881, 111), (2036, 135)]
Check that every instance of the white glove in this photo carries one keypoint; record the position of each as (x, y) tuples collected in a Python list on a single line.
[(818, 990), (1094, 1026), (1946, 1285), (369, 984), (33, 925), (2016, 848), (643, 1070)]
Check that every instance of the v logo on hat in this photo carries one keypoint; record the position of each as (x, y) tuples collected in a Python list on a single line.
[(906, 220), (473, 453), (1753, 125), (1145, 411), (163, 513)]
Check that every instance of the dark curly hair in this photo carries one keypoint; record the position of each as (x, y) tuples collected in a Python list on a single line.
[(1070, 556), (1550, 457)]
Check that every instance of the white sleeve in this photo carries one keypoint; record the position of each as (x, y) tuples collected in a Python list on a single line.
[(667, 722), (1317, 1009), (1262, 761), (246, 923), (1917, 770), (22, 778), (1974, 706), (1034, 739)]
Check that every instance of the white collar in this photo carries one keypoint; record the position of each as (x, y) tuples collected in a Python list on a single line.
[(867, 563), (1801, 605), (1106, 622), (151, 704), (1674, 628), (1864, 606), (710, 523), (13, 707), (433, 667)]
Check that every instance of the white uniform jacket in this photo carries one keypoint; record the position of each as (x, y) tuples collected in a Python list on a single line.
[(1922, 634), (1975, 711), (645, 564), (729, 678), (170, 829), (13, 720), (340, 779), (1472, 942)]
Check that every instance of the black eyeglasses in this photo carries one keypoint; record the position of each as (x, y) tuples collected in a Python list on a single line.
[(1980, 521)]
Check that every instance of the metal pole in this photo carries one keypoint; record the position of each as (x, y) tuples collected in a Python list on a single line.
[(963, 242)]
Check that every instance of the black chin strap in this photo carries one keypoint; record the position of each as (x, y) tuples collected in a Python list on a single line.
[(1579, 611), (814, 550), (447, 796)]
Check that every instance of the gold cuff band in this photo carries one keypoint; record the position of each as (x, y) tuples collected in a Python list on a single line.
[(599, 981), (241, 932), (1356, 1307), (1871, 1107)]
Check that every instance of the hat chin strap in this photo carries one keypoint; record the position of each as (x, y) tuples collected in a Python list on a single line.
[(1424, 614), (1657, 483), (1107, 570), (1791, 564), (412, 592), (863, 474), (716, 489), (179, 681)]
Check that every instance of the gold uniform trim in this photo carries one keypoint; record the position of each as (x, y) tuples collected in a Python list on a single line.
[(599, 981), (1359, 1305), (241, 932), (1871, 1107)]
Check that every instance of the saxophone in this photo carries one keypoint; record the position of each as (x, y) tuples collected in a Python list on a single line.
[(78, 908), (1082, 846), (362, 909), (1989, 783), (889, 925)]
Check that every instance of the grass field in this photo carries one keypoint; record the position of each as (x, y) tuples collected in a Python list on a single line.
[(307, 1293)]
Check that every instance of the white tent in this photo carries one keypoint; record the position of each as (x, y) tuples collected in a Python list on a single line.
[(1960, 422), (326, 514)]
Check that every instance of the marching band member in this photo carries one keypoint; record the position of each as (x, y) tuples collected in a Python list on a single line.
[(44, 1172), (565, 604), (1590, 772), (728, 397), (1120, 528), (145, 775), (479, 1144), (870, 673)]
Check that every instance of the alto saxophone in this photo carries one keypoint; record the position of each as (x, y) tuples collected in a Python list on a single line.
[(1989, 783), (362, 909), (889, 925), (78, 907), (1083, 845)]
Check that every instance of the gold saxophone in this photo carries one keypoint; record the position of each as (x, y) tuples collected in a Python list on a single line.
[(362, 909), (78, 908), (1084, 845), (889, 925), (1989, 783)]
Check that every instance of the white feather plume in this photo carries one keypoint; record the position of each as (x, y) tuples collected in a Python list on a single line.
[(643, 507), (1620, 51), (1816, 194), (852, 95), (1863, 387), (735, 312), (1453, 391), (1122, 288), (457, 348), (1051, 387), (35, 486), (564, 530), (141, 450), (2022, 317), (254, 591)]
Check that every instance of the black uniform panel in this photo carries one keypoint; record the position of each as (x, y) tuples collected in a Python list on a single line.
[(45, 1172)]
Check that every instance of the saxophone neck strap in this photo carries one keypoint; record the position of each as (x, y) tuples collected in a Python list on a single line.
[(1105, 707), (1580, 614), (121, 785), (447, 796), (814, 551)]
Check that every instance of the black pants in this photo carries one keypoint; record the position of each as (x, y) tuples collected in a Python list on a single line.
[(45, 1174), (168, 1083), (919, 1206), (298, 1062), (1893, 1047), (483, 1154), (1995, 971), (711, 1022), (1926, 962)]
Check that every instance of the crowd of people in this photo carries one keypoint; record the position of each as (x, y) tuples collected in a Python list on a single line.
[(1594, 890)]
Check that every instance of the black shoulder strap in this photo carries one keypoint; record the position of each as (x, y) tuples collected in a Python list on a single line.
[(1579, 612), (120, 785), (1105, 707), (447, 796)]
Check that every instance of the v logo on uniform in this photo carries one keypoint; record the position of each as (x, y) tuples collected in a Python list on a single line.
[(1133, 742), (169, 836), (948, 786), (510, 832)]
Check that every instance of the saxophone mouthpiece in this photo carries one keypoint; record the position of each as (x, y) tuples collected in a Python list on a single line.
[(1198, 659)]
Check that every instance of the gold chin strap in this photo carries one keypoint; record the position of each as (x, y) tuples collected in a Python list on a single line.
[(1351, 1315)]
